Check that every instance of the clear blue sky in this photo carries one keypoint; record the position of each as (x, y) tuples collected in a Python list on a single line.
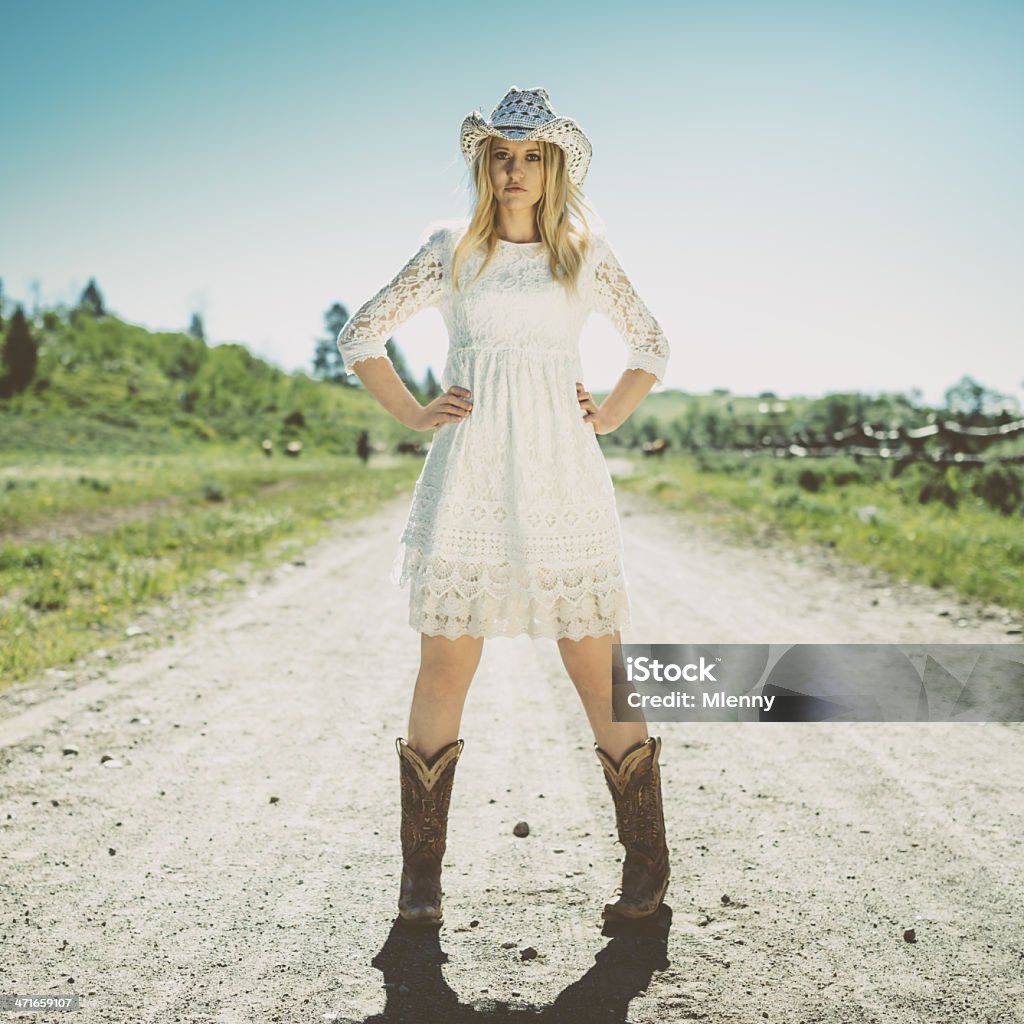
[(809, 196)]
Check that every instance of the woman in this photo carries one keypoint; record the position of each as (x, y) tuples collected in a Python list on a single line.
[(513, 527)]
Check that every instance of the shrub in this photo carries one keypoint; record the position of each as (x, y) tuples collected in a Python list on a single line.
[(941, 486), (999, 487), (810, 479)]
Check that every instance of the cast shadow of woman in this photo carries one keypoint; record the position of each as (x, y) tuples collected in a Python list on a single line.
[(417, 992)]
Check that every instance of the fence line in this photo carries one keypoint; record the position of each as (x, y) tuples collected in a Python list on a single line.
[(901, 445)]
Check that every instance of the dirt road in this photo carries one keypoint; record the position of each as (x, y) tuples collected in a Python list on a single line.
[(237, 857)]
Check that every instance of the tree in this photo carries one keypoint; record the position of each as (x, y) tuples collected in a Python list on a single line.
[(431, 389), (1, 303), (327, 361), (20, 356), (398, 362), (971, 400), (91, 301), (195, 329)]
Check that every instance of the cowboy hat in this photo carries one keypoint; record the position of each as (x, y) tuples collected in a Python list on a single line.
[(527, 114)]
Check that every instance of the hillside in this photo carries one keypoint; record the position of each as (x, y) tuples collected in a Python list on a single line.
[(104, 385)]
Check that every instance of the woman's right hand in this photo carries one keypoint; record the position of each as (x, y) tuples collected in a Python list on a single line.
[(451, 407)]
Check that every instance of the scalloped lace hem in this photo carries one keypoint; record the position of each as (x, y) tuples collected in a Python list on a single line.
[(580, 602)]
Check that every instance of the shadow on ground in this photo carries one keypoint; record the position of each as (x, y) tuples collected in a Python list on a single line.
[(417, 992)]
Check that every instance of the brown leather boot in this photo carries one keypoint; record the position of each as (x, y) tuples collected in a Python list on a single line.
[(635, 786), (426, 793)]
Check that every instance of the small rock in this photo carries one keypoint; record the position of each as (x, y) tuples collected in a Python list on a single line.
[(71, 749), (508, 945), (55, 803), (473, 924), (910, 935), (1014, 631), (726, 900), (274, 799), (106, 757), (528, 954), (522, 829), (111, 851), (111, 762), (135, 631), (558, 849)]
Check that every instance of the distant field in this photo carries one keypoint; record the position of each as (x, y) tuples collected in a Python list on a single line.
[(86, 543), (856, 510)]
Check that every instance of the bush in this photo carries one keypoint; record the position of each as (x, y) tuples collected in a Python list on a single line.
[(810, 479), (941, 486), (1000, 488)]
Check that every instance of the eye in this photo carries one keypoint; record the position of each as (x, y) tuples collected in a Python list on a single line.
[(533, 156)]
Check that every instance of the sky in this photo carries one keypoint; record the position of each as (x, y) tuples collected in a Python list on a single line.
[(809, 196)]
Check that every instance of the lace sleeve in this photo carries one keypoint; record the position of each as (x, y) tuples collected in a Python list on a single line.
[(418, 285), (615, 298)]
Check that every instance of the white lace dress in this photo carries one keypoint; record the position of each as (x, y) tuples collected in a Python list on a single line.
[(513, 527)]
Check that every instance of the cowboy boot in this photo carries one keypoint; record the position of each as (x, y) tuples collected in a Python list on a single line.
[(635, 786), (426, 793)]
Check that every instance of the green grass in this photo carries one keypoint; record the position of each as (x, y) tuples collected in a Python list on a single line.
[(879, 522), (62, 599)]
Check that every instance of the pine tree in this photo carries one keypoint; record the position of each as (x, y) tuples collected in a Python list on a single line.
[(398, 362), (20, 356), (327, 361), (195, 329), (431, 389), (91, 301)]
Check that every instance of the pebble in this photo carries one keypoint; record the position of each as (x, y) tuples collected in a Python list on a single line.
[(910, 935), (70, 749), (528, 954), (522, 829)]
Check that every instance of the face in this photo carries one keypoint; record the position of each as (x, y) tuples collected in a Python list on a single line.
[(516, 173)]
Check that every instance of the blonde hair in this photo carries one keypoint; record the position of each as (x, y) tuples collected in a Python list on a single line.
[(561, 217)]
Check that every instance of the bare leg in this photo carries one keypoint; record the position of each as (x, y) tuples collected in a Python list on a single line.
[(447, 668), (589, 664)]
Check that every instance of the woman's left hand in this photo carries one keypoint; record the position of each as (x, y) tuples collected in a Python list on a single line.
[(592, 410)]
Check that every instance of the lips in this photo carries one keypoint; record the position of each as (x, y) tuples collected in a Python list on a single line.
[(514, 188)]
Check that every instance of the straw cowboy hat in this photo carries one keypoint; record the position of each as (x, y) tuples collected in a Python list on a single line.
[(527, 114)]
